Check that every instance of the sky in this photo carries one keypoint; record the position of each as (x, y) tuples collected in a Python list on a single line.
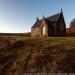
[(18, 16)]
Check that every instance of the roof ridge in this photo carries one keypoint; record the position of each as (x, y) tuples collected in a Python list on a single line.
[(54, 18), (54, 15)]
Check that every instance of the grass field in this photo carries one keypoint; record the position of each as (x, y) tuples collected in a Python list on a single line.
[(20, 54)]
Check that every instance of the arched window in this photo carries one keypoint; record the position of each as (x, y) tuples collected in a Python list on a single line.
[(43, 30)]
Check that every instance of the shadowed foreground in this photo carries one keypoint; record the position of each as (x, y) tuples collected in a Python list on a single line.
[(20, 55)]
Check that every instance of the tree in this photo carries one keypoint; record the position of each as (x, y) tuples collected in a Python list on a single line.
[(72, 24)]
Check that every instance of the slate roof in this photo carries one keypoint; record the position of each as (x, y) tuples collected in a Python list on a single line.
[(53, 19)]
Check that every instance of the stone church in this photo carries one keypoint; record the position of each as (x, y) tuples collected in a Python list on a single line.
[(50, 26)]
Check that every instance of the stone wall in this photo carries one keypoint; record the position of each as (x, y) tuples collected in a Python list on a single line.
[(35, 32), (46, 28)]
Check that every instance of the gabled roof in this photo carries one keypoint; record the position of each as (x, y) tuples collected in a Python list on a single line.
[(54, 18), (50, 19), (37, 24)]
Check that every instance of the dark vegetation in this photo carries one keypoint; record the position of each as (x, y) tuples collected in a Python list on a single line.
[(70, 34), (16, 34), (72, 24), (21, 54)]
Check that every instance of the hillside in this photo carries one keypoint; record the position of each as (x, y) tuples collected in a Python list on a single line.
[(21, 54), (16, 34)]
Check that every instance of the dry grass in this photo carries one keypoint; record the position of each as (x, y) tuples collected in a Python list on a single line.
[(21, 54)]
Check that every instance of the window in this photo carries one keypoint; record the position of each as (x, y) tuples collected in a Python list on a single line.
[(43, 30)]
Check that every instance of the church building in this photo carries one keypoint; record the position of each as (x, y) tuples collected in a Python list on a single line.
[(50, 26)]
